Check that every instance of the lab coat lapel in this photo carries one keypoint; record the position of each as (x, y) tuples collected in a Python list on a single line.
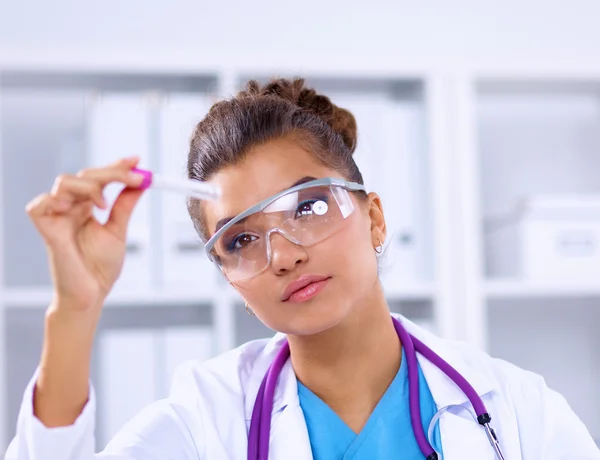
[(461, 435), (463, 438), (444, 391), (257, 370), (289, 436)]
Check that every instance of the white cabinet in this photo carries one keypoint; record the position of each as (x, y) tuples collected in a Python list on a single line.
[(392, 156), (184, 263), (163, 249), (137, 367), (183, 344), (406, 193), (42, 134), (118, 126), (130, 377)]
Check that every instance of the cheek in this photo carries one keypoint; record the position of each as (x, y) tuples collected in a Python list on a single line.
[(349, 257), (261, 292), (354, 253)]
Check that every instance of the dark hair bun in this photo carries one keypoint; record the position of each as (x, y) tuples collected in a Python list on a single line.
[(340, 120)]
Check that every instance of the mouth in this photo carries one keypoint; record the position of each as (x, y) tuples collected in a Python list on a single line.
[(304, 288)]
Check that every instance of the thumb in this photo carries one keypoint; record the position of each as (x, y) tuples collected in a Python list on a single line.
[(121, 211)]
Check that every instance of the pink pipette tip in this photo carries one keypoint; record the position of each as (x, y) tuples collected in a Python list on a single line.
[(147, 181)]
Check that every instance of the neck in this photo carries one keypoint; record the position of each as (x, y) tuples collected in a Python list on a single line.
[(351, 365)]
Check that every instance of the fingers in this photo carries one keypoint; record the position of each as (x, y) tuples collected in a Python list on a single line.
[(119, 171), (89, 183), (85, 186), (46, 204), (121, 211), (71, 189)]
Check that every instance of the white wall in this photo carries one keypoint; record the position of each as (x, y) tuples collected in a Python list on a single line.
[(431, 33)]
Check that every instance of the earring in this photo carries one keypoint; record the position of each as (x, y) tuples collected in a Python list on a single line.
[(249, 310), (379, 248)]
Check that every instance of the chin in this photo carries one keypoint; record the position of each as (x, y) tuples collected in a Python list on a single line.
[(310, 321)]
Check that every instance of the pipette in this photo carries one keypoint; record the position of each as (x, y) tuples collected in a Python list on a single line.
[(196, 189)]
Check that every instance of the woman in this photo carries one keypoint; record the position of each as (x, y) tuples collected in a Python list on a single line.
[(304, 258)]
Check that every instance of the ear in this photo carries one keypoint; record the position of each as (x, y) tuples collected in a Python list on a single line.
[(378, 228)]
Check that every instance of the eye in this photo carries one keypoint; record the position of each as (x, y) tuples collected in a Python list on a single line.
[(316, 206), (240, 242)]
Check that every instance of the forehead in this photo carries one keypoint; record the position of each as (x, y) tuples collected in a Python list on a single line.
[(266, 170)]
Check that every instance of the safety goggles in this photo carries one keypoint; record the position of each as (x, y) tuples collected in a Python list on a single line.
[(305, 214)]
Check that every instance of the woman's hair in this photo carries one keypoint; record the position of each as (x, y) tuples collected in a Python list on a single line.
[(258, 114)]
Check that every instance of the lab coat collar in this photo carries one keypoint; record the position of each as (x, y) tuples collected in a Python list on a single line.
[(443, 390), (461, 356), (286, 390)]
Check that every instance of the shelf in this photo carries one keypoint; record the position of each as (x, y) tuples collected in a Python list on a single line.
[(40, 297), (410, 291), (514, 288), (37, 297)]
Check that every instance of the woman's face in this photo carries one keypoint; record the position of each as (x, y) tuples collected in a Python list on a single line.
[(346, 258)]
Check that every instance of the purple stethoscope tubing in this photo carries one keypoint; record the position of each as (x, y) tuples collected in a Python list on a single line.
[(412, 345), (258, 441), (260, 423)]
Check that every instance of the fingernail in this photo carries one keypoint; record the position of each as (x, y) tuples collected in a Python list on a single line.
[(146, 178), (135, 177)]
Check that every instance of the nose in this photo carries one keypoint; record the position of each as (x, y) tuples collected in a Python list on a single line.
[(285, 255)]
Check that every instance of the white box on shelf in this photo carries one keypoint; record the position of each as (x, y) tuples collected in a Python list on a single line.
[(118, 127), (184, 265), (560, 238)]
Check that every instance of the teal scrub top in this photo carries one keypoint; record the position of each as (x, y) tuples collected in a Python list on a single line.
[(387, 434)]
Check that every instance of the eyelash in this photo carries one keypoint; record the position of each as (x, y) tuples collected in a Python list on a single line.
[(302, 204), (231, 245)]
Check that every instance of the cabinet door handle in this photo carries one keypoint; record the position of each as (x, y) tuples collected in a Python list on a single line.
[(133, 247), (189, 246), (405, 238), (576, 244)]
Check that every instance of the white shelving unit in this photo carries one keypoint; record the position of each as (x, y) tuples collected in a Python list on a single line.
[(523, 136), (453, 169), (397, 114), (516, 289), (4, 421)]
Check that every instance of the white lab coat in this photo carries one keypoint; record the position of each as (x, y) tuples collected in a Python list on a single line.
[(207, 414)]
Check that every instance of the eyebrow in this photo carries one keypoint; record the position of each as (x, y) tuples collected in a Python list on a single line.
[(224, 221)]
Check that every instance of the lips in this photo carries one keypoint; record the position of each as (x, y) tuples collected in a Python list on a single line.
[(300, 284)]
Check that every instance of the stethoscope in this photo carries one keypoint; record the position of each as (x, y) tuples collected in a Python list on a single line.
[(260, 423)]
